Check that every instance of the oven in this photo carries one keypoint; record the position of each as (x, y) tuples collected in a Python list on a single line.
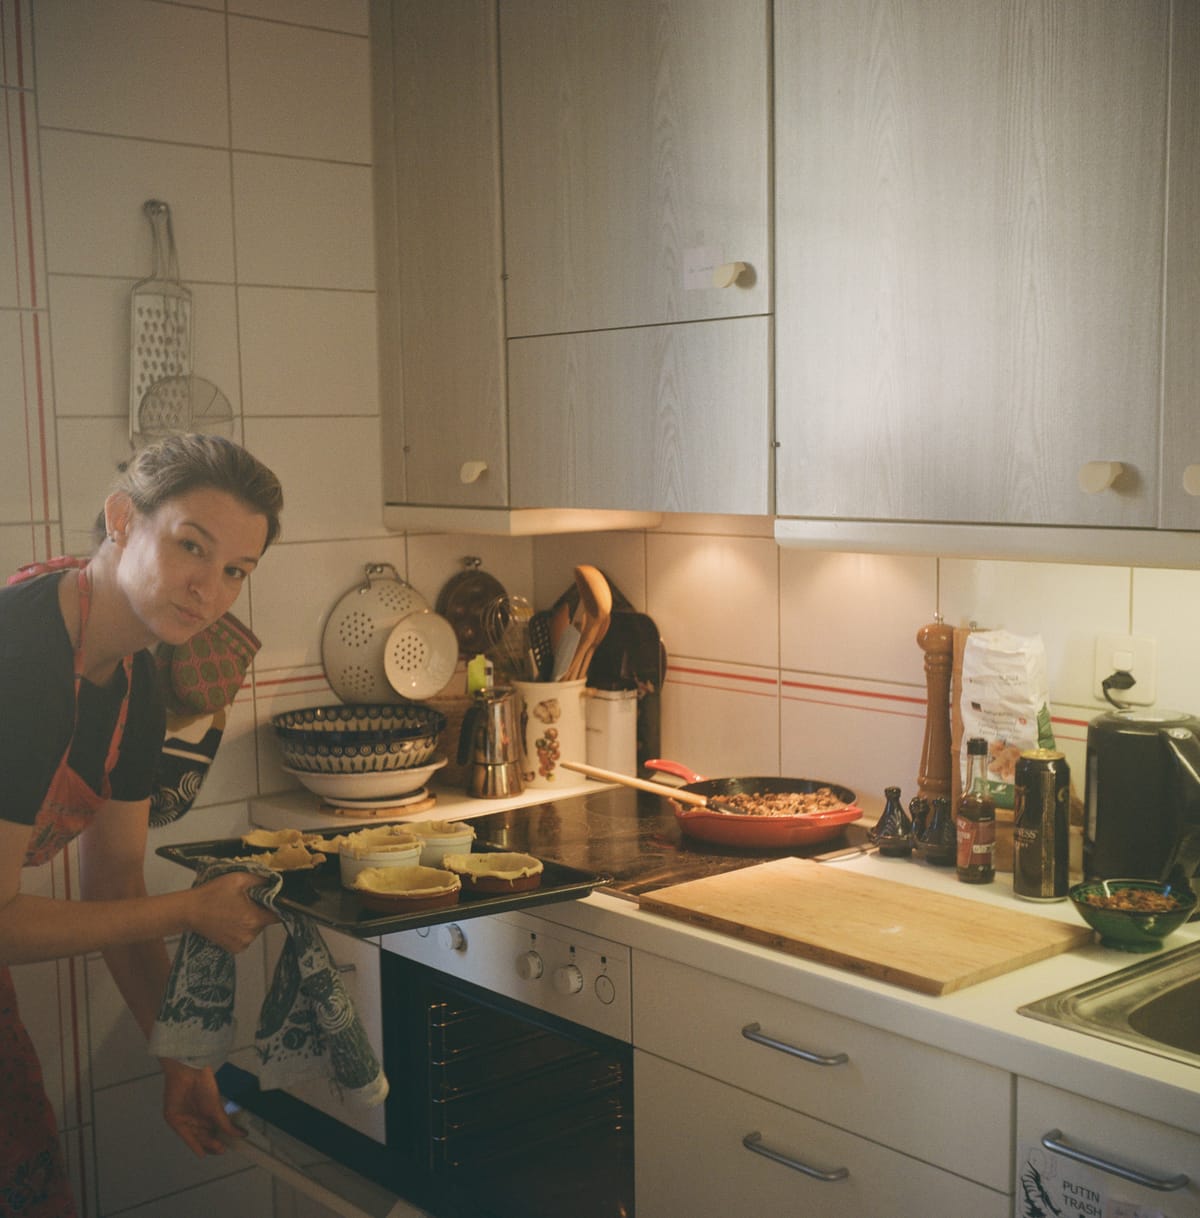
[(507, 1039)]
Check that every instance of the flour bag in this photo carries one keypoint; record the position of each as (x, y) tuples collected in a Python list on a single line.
[(1006, 700)]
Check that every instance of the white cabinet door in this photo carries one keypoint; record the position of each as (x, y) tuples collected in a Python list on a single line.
[(1181, 368), (969, 250), (439, 253), (1122, 1148), (636, 145), (692, 1158), (659, 418)]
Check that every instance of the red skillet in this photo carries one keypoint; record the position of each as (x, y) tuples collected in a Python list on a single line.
[(697, 807)]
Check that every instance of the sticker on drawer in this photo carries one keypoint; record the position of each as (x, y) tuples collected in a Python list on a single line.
[(1049, 1186)]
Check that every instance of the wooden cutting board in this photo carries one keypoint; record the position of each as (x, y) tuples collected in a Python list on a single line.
[(927, 941)]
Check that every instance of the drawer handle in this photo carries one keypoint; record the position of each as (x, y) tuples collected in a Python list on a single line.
[(754, 1032), (753, 1141), (1053, 1141)]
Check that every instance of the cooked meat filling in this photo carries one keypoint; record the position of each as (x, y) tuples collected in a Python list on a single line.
[(792, 803), (1136, 900)]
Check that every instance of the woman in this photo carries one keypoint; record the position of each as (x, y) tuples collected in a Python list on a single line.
[(81, 730)]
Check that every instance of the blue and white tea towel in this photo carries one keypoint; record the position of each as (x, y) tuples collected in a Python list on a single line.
[(308, 1026)]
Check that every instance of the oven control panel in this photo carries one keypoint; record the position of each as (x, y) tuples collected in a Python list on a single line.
[(572, 975)]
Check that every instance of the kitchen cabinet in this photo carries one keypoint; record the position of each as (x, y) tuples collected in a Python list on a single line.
[(440, 294), (692, 1158), (636, 163), (568, 177), (969, 259), (1181, 348), (1122, 1147), (635, 146), (921, 1131)]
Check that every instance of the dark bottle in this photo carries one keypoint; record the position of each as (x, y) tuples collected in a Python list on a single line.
[(937, 844), (976, 820), (918, 810), (893, 832)]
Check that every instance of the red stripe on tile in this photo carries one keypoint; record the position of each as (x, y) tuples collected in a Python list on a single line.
[(754, 693), (912, 699), (724, 676)]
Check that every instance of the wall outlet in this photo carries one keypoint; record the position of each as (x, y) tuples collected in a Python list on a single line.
[(1136, 656)]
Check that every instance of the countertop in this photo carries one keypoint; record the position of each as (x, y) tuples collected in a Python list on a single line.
[(979, 1022)]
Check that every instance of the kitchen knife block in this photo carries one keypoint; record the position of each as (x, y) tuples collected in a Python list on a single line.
[(936, 640)]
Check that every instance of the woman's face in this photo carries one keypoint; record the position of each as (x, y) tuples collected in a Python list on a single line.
[(183, 566)]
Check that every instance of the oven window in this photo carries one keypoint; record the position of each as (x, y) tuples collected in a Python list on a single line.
[(497, 1110)]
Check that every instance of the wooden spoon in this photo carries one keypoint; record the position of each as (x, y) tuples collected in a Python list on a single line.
[(596, 603)]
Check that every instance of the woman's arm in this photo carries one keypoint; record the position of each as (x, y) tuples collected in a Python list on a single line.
[(112, 857), (42, 928)]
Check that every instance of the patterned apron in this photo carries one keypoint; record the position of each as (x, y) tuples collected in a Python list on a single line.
[(33, 1176)]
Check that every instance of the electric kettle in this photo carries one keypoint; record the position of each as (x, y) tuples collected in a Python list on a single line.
[(1142, 795), (490, 743)]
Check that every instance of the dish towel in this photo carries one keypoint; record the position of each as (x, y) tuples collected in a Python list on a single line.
[(308, 1026)]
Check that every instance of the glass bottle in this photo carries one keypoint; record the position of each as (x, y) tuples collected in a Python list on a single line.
[(937, 842), (918, 811), (893, 833), (976, 820)]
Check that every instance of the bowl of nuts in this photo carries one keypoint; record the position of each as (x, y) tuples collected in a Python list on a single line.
[(1133, 915)]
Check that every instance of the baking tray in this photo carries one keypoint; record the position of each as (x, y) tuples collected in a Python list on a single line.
[(319, 893)]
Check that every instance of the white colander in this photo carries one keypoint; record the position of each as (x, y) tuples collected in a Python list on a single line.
[(354, 641)]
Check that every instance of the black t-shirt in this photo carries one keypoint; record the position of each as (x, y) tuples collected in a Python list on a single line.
[(37, 708)]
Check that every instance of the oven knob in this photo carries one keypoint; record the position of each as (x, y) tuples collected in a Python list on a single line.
[(568, 979), (605, 990), (530, 966), (452, 937)]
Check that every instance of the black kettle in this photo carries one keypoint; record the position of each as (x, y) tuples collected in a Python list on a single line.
[(1142, 796)]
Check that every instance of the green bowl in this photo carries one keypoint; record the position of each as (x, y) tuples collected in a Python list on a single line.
[(1125, 929)]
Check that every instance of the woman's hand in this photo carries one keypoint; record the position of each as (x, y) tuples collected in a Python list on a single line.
[(193, 1108), (222, 911)]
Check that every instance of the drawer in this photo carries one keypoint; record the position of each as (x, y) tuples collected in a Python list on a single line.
[(691, 1159), (911, 1096), (1120, 1143)]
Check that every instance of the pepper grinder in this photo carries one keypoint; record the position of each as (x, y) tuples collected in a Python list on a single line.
[(936, 640)]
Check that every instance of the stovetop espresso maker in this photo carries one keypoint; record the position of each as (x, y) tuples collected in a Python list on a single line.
[(1142, 795)]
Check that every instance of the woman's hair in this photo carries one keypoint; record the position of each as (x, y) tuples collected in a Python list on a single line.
[(178, 464)]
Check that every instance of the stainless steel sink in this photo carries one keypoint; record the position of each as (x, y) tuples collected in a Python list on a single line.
[(1152, 1005)]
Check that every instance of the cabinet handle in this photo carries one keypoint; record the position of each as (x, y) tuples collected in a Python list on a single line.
[(727, 274), (753, 1141), (1191, 480), (754, 1032), (471, 471), (1097, 476), (1053, 1141)]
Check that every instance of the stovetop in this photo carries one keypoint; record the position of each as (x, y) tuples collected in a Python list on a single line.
[(632, 836)]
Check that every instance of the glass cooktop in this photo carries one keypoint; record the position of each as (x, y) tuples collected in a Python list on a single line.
[(632, 836)]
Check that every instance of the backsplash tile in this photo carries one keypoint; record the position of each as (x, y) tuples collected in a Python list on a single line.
[(16, 45), (855, 614), (291, 626), (95, 186), (349, 16), (307, 352), (176, 91), (299, 92), (621, 556), (721, 719), (330, 473), (303, 223), (22, 263), (715, 597), (864, 735), (1164, 609), (28, 468)]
